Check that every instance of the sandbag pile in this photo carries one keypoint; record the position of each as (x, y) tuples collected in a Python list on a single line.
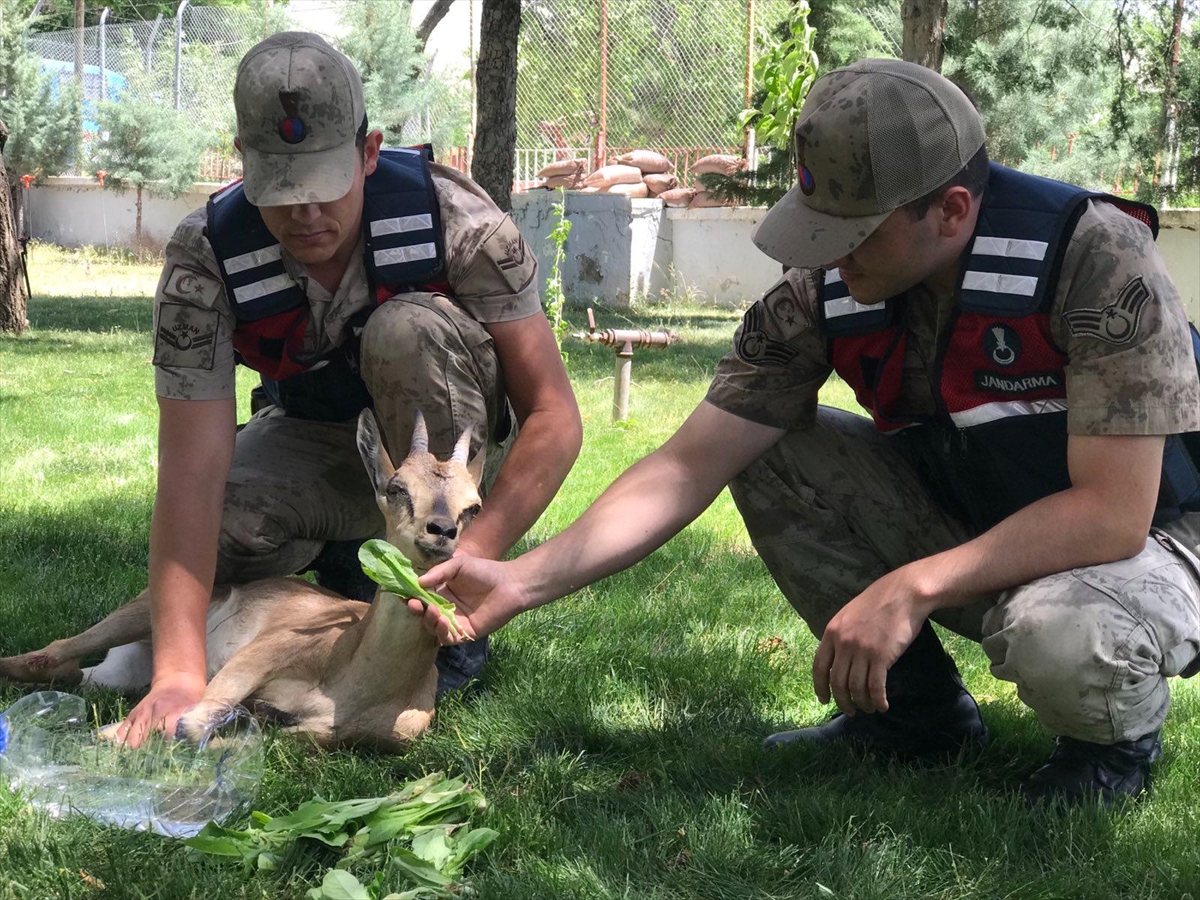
[(563, 173), (642, 173)]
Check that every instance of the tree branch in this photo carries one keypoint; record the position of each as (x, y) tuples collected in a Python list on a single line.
[(436, 13)]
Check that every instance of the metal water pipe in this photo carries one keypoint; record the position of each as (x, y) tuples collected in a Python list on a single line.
[(624, 341)]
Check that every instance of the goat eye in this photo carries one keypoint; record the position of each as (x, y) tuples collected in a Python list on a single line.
[(395, 492), (471, 511)]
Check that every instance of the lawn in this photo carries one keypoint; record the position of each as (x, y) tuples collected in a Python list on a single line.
[(618, 738)]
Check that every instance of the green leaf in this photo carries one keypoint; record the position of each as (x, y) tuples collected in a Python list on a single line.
[(339, 885), (391, 570)]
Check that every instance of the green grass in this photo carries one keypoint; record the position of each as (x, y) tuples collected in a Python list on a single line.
[(618, 741)]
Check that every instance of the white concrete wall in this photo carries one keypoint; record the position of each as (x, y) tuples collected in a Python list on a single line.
[(76, 212), (619, 249)]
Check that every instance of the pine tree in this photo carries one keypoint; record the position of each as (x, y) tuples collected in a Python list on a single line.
[(149, 147), (401, 99), (43, 121)]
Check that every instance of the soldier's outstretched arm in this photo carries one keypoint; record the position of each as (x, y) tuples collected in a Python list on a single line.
[(648, 504), (195, 451), (548, 439)]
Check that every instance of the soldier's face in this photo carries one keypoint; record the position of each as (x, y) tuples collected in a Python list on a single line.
[(900, 254), (316, 233)]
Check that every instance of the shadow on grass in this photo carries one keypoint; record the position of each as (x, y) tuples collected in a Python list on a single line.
[(69, 566), (92, 314)]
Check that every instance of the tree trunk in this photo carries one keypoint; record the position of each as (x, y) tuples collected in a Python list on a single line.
[(1169, 130), (79, 12), (137, 228), (924, 29), (493, 159), (436, 13), (12, 281)]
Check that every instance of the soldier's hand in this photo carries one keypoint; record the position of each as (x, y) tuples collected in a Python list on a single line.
[(170, 696), (484, 595), (863, 641)]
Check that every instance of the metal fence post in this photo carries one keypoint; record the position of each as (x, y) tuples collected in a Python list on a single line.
[(150, 42), (103, 79), (179, 49)]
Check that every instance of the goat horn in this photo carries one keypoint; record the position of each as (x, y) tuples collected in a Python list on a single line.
[(420, 437), (463, 448)]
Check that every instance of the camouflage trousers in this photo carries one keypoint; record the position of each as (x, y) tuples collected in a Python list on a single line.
[(833, 508), (296, 483)]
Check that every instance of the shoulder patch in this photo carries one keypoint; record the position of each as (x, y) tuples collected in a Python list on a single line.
[(186, 337), (1116, 323), (510, 255), (755, 347), (192, 287)]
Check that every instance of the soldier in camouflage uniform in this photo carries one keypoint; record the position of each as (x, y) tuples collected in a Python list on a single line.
[(467, 345), (1033, 384)]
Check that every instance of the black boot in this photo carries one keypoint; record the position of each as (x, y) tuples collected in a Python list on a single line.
[(1079, 771), (461, 666), (930, 714), (337, 569)]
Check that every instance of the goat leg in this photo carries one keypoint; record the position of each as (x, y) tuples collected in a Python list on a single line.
[(59, 660)]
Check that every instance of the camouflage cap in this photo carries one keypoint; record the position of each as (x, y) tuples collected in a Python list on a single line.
[(870, 138), (299, 105)]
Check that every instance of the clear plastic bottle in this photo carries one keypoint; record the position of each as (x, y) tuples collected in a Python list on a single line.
[(52, 757)]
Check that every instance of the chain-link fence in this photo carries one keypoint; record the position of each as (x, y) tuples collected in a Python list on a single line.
[(673, 79), (667, 75)]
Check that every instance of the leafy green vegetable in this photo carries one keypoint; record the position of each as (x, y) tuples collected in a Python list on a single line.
[(392, 571), (420, 833)]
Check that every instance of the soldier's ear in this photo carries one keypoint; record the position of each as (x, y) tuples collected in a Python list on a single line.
[(954, 210)]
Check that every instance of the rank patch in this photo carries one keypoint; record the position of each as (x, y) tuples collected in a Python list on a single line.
[(511, 256), (1116, 323), (754, 347), (192, 287), (186, 337)]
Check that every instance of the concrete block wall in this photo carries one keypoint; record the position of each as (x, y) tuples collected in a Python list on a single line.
[(619, 250)]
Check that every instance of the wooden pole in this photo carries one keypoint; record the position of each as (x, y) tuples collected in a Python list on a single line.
[(602, 134)]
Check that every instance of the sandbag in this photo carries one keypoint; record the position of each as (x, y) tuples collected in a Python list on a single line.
[(718, 164), (562, 167), (707, 200), (678, 196), (570, 182), (649, 162), (607, 176), (659, 183), (635, 191)]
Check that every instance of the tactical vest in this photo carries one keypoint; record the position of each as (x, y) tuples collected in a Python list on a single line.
[(998, 439), (403, 251)]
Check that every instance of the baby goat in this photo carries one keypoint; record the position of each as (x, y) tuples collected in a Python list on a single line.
[(337, 671)]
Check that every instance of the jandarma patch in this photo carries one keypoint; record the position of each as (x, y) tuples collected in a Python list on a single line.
[(1116, 323), (186, 337)]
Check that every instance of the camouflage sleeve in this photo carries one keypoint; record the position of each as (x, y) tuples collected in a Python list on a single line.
[(491, 271), (778, 363), (193, 328), (1118, 317)]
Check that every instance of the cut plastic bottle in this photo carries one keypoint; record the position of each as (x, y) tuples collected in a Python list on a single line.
[(54, 759)]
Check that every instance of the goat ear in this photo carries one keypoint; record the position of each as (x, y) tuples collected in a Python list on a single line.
[(475, 466), (374, 456)]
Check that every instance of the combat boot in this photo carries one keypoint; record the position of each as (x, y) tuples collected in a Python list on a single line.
[(1079, 771), (930, 713)]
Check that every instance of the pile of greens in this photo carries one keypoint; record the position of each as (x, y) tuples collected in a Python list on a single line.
[(418, 835), (392, 571)]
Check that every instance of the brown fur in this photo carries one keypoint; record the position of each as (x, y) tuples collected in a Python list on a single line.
[(337, 671)]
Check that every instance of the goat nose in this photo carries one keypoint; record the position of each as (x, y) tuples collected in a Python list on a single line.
[(442, 528)]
